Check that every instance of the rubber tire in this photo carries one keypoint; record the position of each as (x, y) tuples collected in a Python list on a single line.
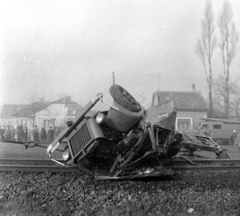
[(124, 98)]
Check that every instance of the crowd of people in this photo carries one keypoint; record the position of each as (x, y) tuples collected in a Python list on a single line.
[(21, 133)]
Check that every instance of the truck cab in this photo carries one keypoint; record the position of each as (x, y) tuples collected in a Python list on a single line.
[(221, 131)]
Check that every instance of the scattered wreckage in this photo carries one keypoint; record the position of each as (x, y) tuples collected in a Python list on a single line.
[(127, 141)]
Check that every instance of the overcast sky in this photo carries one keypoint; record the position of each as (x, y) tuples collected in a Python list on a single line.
[(54, 48)]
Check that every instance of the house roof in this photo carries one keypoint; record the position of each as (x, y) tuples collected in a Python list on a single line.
[(37, 106), (31, 109), (183, 101), (9, 109), (65, 100)]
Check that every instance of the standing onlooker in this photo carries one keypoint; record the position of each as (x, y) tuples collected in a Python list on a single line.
[(24, 133), (56, 132), (2, 133), (237, 142), (11, 133), (43, 135), (233, 138), (19, 132), (198, 127), (35, 134), (50, 134), (7, 134), (15, 133)]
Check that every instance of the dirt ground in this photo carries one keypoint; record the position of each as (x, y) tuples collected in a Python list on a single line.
[(12, 150)]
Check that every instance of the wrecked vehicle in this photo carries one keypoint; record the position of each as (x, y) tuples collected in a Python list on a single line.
[(126, 141)]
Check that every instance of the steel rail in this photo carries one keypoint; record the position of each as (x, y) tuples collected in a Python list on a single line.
[(175, 162), (179, 165), (205, 168), (205, 161), (27, 161), (37, 168), (57, 169)]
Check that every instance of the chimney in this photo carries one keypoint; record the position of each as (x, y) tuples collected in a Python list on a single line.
[(193, 88)]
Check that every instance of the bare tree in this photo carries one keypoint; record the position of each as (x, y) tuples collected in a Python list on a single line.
[(228, 45), (236, 107), (205, 46), (33, 108), (234, 97)]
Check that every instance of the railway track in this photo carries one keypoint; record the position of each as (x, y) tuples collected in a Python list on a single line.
[(179, 165), (197, 165), (26, 161), (33, 165), (36, 168)]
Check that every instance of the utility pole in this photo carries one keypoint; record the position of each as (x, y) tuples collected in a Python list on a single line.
[(158, 77)]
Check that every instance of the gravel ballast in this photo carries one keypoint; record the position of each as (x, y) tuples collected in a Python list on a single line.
[(203, 193)]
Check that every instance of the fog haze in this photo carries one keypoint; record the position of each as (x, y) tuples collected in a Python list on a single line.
[(55, 48)]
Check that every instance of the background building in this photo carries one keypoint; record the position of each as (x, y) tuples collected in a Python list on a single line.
[(41, 113), (190, 106)]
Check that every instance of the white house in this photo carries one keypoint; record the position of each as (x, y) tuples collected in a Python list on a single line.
[(45, 114)]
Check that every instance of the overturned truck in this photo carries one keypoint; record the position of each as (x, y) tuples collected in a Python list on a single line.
[(127, 141)]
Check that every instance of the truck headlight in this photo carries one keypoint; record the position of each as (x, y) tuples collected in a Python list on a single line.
[(66, 155), (100, 118)]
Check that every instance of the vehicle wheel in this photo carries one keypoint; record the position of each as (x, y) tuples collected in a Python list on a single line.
[(124, 98)]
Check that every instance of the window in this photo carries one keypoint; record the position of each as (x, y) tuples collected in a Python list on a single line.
[(184, 124), (155, 99), (216, 126), (48, 123), (205, 126), (23, 121)]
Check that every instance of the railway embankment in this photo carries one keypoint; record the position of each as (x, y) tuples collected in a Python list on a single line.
[(45, 193), (205, 193)]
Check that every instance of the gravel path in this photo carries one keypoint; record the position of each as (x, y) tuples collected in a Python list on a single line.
[(213, 193)]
